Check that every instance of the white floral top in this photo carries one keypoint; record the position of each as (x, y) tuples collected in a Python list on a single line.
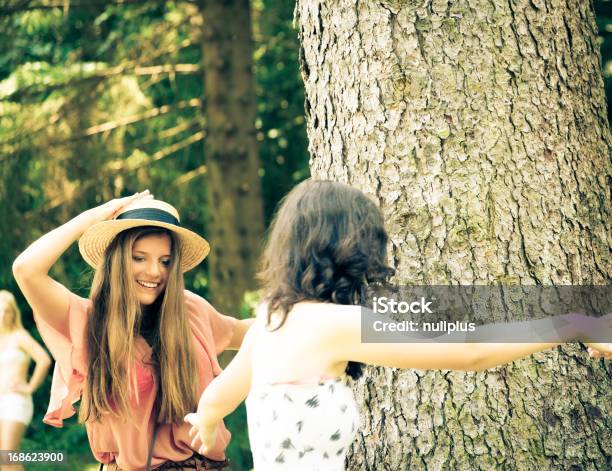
[(302, 427)]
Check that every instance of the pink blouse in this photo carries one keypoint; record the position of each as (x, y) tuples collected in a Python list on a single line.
[(127, 441)]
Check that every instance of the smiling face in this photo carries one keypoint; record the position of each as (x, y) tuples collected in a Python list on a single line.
[(151, 259)]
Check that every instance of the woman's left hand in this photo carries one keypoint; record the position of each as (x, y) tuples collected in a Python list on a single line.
[(203, 437), (599, 350)]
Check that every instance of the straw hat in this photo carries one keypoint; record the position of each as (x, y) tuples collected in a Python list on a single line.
[(144, 212)]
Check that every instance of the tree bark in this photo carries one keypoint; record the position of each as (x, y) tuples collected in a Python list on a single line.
[(480, 128), (235, 228)]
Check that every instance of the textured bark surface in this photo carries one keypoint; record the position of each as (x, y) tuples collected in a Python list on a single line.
[(233, 184), (480, 128)]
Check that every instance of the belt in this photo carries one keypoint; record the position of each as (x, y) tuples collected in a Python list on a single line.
[(195, 461)]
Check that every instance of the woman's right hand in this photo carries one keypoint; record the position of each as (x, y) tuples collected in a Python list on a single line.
[(203, 437), (110, 209)]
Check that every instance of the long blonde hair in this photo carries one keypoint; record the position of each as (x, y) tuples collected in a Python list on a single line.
[(115, 322), (13, 320)]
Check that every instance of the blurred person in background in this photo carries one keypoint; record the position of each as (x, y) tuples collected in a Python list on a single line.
[(138, 353), (17, 347)]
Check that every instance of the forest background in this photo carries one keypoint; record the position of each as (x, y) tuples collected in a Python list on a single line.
[(102, 99)]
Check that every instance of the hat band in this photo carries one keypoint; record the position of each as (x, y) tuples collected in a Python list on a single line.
[(150, 214)]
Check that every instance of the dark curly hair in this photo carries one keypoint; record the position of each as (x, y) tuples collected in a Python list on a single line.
[(327, 243)]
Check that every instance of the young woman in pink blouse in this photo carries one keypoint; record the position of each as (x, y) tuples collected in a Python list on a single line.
[(138, 352)]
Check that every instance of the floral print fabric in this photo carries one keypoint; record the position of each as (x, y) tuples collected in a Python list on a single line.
[(302, 427)]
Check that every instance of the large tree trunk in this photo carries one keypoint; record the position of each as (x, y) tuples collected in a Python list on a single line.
[(235, 207), (480, 128)]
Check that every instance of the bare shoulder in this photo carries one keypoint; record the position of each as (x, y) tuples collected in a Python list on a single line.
[(259, 325), (326, 319), (330, 320), (339, 313), (261, 313)]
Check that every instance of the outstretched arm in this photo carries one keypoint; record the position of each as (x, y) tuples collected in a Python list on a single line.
[(343, 338), (220, 398)]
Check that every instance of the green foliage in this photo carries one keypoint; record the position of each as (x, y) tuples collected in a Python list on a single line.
[(281, 127), (71, 439), (91, 109), (239, 451)]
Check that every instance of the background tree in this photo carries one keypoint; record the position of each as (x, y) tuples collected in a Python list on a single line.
[(481, 129), (233, 180)]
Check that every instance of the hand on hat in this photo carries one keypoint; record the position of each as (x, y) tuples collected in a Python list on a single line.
[(110, 209)]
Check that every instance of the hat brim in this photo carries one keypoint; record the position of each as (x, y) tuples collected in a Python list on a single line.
[(96, 239)]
